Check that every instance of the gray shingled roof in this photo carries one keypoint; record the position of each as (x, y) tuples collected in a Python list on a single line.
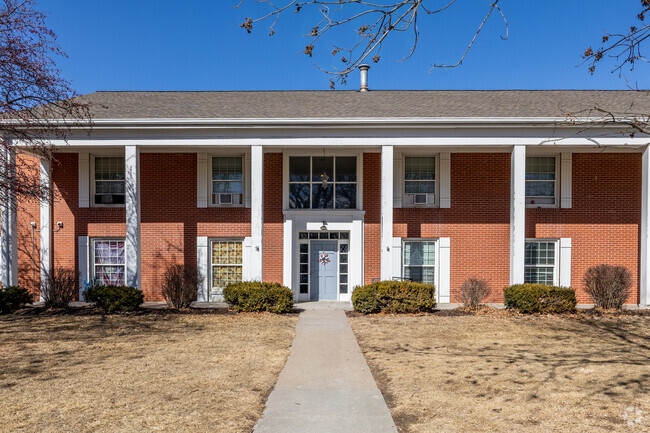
[(353, 104)]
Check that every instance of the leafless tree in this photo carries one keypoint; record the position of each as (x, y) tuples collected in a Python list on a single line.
[(36, 103), (370, 23)]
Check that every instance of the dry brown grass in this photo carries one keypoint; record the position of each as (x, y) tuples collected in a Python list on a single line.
[(507, 373), (153, 372)]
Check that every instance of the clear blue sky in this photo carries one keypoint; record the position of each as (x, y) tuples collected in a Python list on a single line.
[(198, 45)]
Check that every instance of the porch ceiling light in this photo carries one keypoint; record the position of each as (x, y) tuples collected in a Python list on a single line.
[(324, 178), (324, 226)]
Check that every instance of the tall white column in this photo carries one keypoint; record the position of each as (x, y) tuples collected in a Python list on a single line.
[(9, 222), (644, 281), (132, 201), (45, 223), (517, 214), (257, 213), (386, 212)]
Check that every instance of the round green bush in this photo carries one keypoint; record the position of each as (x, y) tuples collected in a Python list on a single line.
[(257, 296), (540, 298), (394, 297), (115, 298), (14, 297)]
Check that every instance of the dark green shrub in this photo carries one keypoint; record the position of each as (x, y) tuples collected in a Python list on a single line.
[(257, 296), (180, 285), (14, 297), (609, 286), (115, 298), (540, 298), (394, 297)]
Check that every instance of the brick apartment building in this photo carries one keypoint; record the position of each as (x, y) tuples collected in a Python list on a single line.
[(324, 191)]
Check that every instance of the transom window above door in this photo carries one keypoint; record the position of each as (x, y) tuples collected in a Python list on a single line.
[(323, 182)]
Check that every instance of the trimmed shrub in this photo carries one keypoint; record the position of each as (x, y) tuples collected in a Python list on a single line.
[(257, 296), (394, 297), (180, 285), (609, 286), (60, 287), (540, 298), (115, 298), (473, 291), (13, 298)]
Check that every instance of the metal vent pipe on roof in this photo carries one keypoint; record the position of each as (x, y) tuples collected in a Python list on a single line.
[(363, 69)]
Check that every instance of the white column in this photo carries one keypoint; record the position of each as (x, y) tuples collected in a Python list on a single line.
[(386, 212), (257, 212), (9, 223), (132, 200), (517, 214), (45, 224), (644, 281)]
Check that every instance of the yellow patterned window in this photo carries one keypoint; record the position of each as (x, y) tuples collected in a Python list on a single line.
[(226, 263)]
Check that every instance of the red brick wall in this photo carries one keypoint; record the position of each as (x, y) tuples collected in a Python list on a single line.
[(605, 217), (29, 274), (478, 221), (372, 220), (273, 218)]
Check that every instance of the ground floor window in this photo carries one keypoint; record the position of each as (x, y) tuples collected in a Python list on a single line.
[(419, 261), (108, 260), (226, 263), (541, 260)]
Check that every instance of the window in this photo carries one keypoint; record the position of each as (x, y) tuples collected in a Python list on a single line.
[(108, 180), (419, 180), (227, 180), (323, 182), (540, 261), (108, 261), (226, 261), (541, 182), (419, 261)]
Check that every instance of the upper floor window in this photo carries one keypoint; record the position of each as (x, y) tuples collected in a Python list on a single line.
[(541, 181), (323, 182), (540, 262), (227, 180), (108, 180), (419, 180)]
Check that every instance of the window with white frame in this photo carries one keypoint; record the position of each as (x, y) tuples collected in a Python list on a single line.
[(419, 261), (108, 180), (108, 261), (541, 262), (419, 180), (541, 181), (227, 181), (226, 261), (323, 182)]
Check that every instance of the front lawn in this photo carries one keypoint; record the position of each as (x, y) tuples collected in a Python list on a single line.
[(503, 373), (142, 372)]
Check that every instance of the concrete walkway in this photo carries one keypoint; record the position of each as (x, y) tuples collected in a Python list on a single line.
[(326, 385)]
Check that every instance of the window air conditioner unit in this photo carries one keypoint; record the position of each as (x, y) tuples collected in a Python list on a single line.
[(420, 199), (225, 198)]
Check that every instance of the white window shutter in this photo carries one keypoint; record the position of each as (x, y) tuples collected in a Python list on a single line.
[(84, 179), (201, 179), (247, 180), (566, 181), (565, 262), (445, 180), (83, 248), (203, 265), (444, 270), (398, 175), (396, 258), (247, 255)]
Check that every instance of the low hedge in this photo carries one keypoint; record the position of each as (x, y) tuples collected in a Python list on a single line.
[(14, 297), (115, 298), (540, 298), (257, 296), (394, 297)]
